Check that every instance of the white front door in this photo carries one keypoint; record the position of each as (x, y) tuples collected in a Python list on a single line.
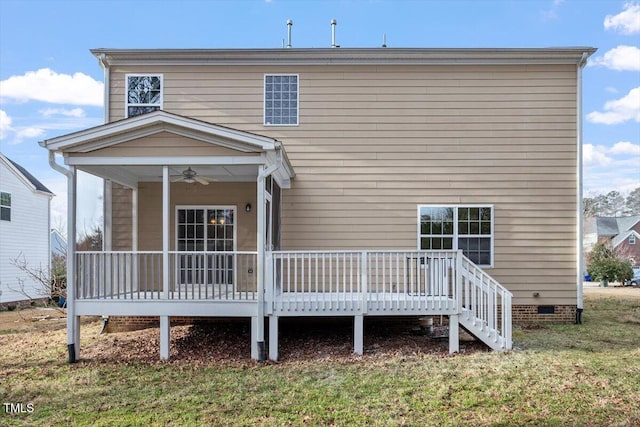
[(200, 231)]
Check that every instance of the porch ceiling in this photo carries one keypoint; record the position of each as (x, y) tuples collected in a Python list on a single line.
[(131, 175)]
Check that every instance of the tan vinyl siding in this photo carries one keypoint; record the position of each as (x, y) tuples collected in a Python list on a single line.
[(375, 141), (163, 144), (216, 194)]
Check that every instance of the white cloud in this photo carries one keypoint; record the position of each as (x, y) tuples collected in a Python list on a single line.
[(619, 110), (26, 133), (76, 112), (625, 147), (5, 124), (595, 155), (627, 21), (611, 89), (48, 86), (551, 14), (621, 58), (611, 168)]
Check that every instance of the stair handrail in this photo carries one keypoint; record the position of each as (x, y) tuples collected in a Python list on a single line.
[(486, 313)]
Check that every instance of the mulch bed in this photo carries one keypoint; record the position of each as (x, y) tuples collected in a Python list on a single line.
[(301, 340)]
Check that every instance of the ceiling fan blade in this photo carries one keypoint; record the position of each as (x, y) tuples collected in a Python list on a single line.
[(201, 180), (177, 179)]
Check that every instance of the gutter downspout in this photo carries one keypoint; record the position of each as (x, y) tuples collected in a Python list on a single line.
[(72, 328), (262, 354), (579, 192)]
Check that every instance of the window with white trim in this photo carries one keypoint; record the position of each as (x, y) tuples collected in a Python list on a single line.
[(144, 93), (632, 239), (281, 100), (466, 228), (5, 206)]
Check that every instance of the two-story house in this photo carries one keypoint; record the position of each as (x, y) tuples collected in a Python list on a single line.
[(24, 234), (621, 233), (334, 182)]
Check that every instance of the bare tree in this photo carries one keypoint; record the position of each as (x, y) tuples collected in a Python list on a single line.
[(52, 282)]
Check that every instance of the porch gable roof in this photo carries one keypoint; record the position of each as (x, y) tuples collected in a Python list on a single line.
[(113, 133)]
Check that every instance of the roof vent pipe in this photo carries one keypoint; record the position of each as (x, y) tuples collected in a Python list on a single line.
[(289, 25), (384, 40), (333, 33)]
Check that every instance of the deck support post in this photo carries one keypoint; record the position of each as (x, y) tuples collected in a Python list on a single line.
[(165, 337), (358, 334), (273, 338), (454, 334), (255, 322)]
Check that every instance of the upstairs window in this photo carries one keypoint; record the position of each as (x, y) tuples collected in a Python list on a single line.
[(466, 228), (281, 100), (632, 239), (5, 206), (144, 93)]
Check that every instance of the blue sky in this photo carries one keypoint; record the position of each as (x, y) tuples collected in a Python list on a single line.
[(51, 85)]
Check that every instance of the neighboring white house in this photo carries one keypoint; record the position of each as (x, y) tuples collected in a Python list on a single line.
[(24, 231)]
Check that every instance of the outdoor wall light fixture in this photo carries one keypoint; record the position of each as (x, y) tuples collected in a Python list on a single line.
[(536, 294), (247, 208)]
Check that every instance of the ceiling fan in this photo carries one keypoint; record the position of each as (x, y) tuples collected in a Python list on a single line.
[(190, 176)]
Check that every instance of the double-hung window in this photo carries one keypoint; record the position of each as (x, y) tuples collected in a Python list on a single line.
[(466, 228), (144, 93), (281, 100), (5, 206)]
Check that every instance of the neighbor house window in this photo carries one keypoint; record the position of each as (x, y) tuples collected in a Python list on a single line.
[(281, 100), (5, 206), (632, 239), (144, 93), (466, 228)]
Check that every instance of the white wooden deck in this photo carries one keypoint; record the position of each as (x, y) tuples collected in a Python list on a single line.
[(297, 283)]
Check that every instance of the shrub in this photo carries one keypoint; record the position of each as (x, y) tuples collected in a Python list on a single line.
[(605, 265)]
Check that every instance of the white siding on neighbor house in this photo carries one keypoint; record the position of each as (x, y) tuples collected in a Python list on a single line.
[(26, 235), (376, 141)]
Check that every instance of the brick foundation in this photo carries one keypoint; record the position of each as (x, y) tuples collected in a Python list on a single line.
[(522, 315), (528, 314)]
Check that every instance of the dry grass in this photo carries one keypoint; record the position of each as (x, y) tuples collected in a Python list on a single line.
[(558, 375)]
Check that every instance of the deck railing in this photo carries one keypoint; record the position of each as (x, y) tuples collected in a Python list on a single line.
[(485, 306), (363, 281), (138, 275), (310, 283), (317, 281)]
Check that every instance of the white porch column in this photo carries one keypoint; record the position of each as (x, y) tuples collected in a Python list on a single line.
[(165, 333), (454, 334), (73, 321), (108, 215), (260, 265), (358, 335), (166, 214), (134, 219), (273, 337)]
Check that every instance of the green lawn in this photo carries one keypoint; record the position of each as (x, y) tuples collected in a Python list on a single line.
[(584, 375)]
